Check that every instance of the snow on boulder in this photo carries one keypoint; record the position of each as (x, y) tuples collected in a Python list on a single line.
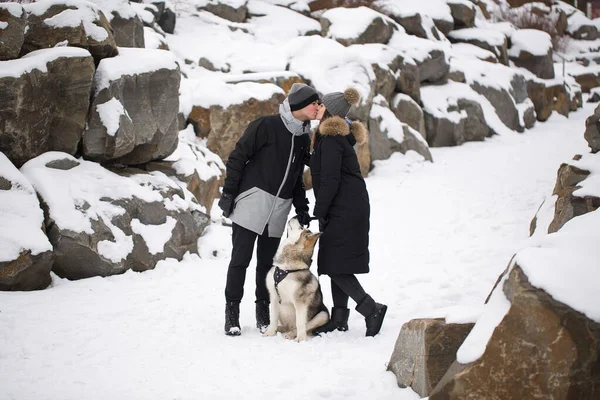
[(231, 10), (431, 57), (419, 17), (356, 26), (45, 99), (463, 13), (338, 69), (221, 111), (266, 23), (542, 315), (502, 86), (581, 27), (69, 23), (388, 134), (488, 39), (467, 50), (577, 188), (532, 49), (394, 70), (13, 20), (455, 113), (114, 221), (192, 163), (154, 40), (592, 131), (128, 27), (25, 252), (133, 115)]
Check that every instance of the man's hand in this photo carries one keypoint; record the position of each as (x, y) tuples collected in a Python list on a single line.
[(323, 224), (303, 218), (226, 204)]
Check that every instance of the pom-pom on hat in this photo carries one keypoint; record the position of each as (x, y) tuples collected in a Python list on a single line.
[(338, 103), (301, 95)]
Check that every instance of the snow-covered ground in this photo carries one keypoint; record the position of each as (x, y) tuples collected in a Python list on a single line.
[(441, 233)]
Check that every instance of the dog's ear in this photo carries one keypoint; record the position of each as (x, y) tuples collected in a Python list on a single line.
[(311, 239)]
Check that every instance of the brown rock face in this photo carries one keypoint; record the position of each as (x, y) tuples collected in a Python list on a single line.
[(40, 35), (28, 272), (588, 81), (592, 131), (45, 111), (547, 99), (424, 351), (228, 125), (542, 349), (13, 35), (541, 66)]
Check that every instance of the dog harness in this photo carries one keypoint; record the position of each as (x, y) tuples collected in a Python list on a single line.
[(279, 275)]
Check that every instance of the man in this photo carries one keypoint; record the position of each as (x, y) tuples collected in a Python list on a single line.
[(264, 179)]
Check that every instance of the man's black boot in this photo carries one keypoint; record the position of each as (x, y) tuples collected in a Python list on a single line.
[(232, 318), (338, 321), (262, 315), (374, 314)]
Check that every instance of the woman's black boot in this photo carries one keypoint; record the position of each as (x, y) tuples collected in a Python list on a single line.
[(338, 321), (232, 319), (262, 315), (374, 314)]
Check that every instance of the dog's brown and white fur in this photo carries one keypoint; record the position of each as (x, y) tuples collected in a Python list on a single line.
[(297, 303)]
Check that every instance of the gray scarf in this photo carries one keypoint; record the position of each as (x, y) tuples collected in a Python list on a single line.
[(295, 126)]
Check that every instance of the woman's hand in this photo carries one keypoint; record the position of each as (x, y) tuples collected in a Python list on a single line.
[(323, 224)]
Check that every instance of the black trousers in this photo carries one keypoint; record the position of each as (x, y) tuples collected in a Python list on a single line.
[(243, 246), (347, 285)]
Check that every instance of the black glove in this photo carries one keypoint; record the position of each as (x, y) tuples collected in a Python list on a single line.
[(303, 218), (226, 204), (323, 224)]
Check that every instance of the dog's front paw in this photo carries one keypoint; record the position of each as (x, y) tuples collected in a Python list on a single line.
[(301, 338), (290, 334), (271, 331)]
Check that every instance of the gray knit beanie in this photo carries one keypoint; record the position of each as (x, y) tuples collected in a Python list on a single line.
[(301, 95), (338, 103)]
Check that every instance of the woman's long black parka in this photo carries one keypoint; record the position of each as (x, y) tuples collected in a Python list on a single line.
[(341, 197)]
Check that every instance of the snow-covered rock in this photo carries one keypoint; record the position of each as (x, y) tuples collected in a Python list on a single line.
[(25, 252), (45, 99)]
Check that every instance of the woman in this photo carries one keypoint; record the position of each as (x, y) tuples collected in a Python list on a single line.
[(342, 206)]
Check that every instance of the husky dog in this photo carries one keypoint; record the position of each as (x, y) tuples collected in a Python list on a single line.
[(296, 299)]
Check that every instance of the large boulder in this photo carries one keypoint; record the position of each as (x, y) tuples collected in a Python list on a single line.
[(548, 96), (538, 346), (592, 130), (424, 351), (13, 20), (532, 50), (409, 112), (69, 23), (463, 13), (503, 103), (334, 25), (26, 254), (453, 115), (488, 39), (388, 134), (112, 221), (231, 10), (133, 116), (573, 196), (44, 102)]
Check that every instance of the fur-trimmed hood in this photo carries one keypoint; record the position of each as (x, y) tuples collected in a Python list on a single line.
[(334, 126)]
